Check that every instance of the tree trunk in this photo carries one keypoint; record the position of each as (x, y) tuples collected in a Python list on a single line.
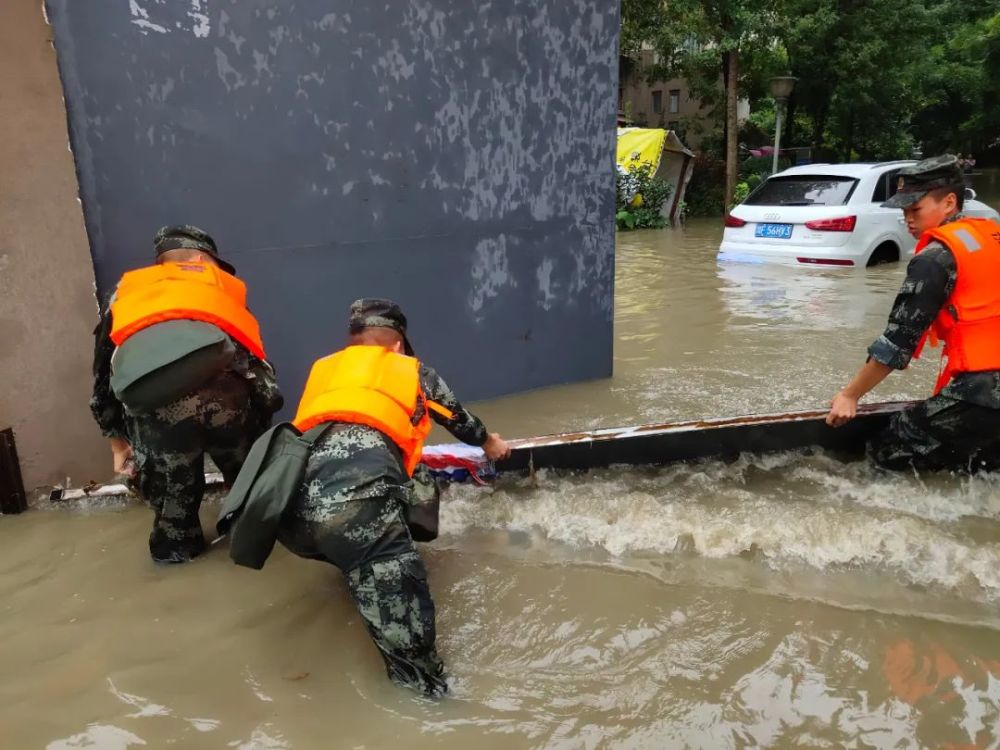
[(849, 141), (819, 117), (788, 129), (789, 134), (732, 127)]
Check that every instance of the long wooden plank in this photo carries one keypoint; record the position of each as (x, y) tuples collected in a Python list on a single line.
[(663, 443), (709, 438)]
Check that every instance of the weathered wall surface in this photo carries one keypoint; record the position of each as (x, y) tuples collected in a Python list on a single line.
[(47, 308), (456, 156)]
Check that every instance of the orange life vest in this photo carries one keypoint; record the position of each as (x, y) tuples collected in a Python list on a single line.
[(969, 322), (184, 291), (373, 386)]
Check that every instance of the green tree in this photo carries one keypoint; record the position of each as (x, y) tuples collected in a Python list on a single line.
[(704, 41), (855, 80), (961, 82), (876, 76)]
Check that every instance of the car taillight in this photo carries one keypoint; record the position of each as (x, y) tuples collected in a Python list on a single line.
[(732, 221), (843, 224)]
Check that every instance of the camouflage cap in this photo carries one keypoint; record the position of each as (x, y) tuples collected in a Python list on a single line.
[(375, 312), (185, 235), (919, 179)]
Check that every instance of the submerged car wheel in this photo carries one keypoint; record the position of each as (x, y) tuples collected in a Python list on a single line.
[(887, 252)]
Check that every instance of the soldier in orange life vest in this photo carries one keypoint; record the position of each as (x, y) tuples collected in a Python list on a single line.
[(180, 371), (951, 295), (377, 400)]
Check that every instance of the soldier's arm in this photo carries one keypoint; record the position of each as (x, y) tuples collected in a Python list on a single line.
[(464, 425), (107, 409), (930, 279), (267, 394)]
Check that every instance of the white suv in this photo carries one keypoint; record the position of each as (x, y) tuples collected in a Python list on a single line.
[(826, 215)]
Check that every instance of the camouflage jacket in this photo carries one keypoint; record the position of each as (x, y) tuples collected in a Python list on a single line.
[(355, 462), (930, 280), (109, 412)]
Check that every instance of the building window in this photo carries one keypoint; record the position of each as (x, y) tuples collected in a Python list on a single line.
[(657, 102), (675, 101)]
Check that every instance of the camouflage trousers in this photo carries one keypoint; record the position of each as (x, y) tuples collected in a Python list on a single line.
[(369, 542), (169, 447), (940, 433)]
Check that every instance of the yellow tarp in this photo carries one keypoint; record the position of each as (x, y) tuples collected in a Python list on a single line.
[(640, 146)]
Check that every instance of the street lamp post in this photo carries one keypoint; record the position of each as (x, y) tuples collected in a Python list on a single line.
[(781, 89)]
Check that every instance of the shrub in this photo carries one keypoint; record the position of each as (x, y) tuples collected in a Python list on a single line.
[(639, 198)]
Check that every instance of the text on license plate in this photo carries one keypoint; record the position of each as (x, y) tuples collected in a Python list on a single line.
[(774, 231)]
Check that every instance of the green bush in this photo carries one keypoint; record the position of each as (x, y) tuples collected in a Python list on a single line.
[(755, 169), (760, 165), (650, 193), (740, 193)]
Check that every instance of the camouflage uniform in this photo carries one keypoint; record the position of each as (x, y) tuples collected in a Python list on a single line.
[(959, 428), (222, 418), (350, 513)]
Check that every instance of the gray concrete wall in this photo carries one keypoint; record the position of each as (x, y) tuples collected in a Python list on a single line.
[(457, 156), (47, 308)]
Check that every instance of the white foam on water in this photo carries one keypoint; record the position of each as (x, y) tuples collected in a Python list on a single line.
[(146, 708), (261, 740), (785, 511), (98, 737)]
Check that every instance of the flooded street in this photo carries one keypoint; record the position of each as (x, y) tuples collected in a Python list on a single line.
[(779, 601)]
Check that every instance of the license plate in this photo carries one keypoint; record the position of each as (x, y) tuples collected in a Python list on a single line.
[(774, 231)]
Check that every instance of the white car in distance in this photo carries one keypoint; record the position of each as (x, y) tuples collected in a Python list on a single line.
[(826, 215)]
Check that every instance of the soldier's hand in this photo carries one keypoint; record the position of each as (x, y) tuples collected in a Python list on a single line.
[(842, 410), (495, 447), (121, 451)]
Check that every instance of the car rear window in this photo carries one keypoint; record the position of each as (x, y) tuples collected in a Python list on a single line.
[(803, 190)]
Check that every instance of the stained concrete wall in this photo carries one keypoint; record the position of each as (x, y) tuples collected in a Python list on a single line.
[(457, 156), (47, 308)]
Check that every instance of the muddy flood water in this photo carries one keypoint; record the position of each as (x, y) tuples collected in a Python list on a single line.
[(778, 601)]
